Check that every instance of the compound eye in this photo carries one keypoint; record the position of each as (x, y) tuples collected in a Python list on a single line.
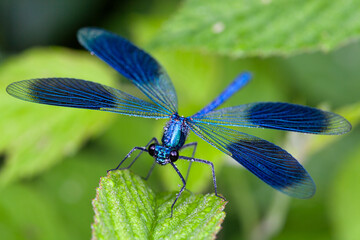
[(151, 150), (174, 155)]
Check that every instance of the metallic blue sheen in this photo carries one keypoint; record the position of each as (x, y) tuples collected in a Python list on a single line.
[(162, 154), (76, 93), (278, 115), (133, 63), (175, 132), (267, 161)]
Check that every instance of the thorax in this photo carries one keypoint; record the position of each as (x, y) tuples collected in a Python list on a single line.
[(175, 132)]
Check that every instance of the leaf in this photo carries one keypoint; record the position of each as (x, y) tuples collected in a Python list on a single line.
[(243, 28), (126, 208), (344, 200), (34, 137)]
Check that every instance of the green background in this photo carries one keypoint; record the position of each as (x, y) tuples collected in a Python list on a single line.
[(51, 158)]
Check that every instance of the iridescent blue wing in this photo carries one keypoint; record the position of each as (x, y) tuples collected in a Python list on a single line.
[(76, 93), (277, 115), (133, 63), (267, 161)]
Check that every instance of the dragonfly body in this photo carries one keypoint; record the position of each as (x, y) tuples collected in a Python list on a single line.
[(270, 163), (175, 133), (174, 136)]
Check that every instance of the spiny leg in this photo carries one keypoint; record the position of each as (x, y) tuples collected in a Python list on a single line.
[(193, 144), (154, 163), (150, 171), (134, 160), (212, 169), (142, 149), (181, 190)]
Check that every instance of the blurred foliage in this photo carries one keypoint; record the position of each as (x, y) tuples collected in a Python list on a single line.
[(344, 200), (63, 152), (261, 28), (126, 208), (350, 112), (35, 137)]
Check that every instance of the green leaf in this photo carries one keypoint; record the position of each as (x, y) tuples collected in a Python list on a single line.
[(34, 137), (242, 28), (126, 208)]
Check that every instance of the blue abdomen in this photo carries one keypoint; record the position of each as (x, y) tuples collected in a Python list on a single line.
[(175, 133)]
